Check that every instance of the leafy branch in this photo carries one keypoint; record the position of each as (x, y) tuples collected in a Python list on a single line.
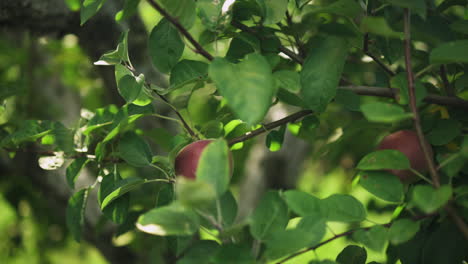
[(417, 123)]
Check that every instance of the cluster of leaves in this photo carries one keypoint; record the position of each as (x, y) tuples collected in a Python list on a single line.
[(295, 52)]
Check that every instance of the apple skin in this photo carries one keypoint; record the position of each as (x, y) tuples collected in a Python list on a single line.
[(407, 142), (186, 161)]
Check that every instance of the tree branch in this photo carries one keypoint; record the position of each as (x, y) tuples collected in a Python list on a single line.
[(374, 58), (269, 126), (198, 48), (459, 222), (281, 48), (390, 92)]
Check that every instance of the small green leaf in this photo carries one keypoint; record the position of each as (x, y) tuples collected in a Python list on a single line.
[(129, 9), (343, 208), (273, 10), (165, 46), (271, 215), (117, 210), (308, 232), (194, 194), (288, 80), (118, 55), (400, 82), (402, 230), (444, 131), (352, 255), (374, 238), (322, 70), (117, 189), (379, 26), (302, 203), (383, 185), (429, 199), (134, 150), (210, 14), (130, 87), (213, 166), (73, 170), (384, 112), (76, 212), (450, 52), (274, 139), (170, 220), (384, 159), (89, 8), (247, 86), (186, 71), (183, 10)]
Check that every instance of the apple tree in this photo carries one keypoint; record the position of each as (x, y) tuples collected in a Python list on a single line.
[(377, 87)]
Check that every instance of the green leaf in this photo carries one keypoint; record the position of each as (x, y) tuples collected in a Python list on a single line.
[(76, 212), (450, 52), (117, 210), (384, 159), (129, 9), (247, 86), (274, 139), (134, 150), (270, 216), (348, 99), (165, 46), (352, 255), (416, 6), (343, 208), (29, 130), (213, 166), (118, 55), (210, 13), (444, 131), (102, 117), (303, 203), (117, 189), (429, 199), (233, 254), (194, 194), (129, 87), (183, 10), (341, 7), (460, 26), (273, 11), (170, 220), (73, 170), (288, 80), (402, 230), (379, 26), (322, 70), (374, 238), (383, 185), (186, 71), (201, 252), (308, 232), (89, 8), (384, 112), (464, 147)]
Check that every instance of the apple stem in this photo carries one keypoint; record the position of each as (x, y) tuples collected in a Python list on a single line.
[(459, 222), (421, 176)]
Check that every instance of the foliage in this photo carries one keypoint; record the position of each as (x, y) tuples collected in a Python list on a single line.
[(314, 57)]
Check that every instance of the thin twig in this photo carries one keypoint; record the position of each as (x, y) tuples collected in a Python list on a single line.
[(269, 126), (448, 88), (198, 47), (459, 222), (412, 103), (295, 57), (374, 58)]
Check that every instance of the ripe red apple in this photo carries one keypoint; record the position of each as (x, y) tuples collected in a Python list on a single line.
[(406, 141), (186, 162)]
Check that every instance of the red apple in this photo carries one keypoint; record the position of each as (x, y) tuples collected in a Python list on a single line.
[(406, 141), (186, 162)]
